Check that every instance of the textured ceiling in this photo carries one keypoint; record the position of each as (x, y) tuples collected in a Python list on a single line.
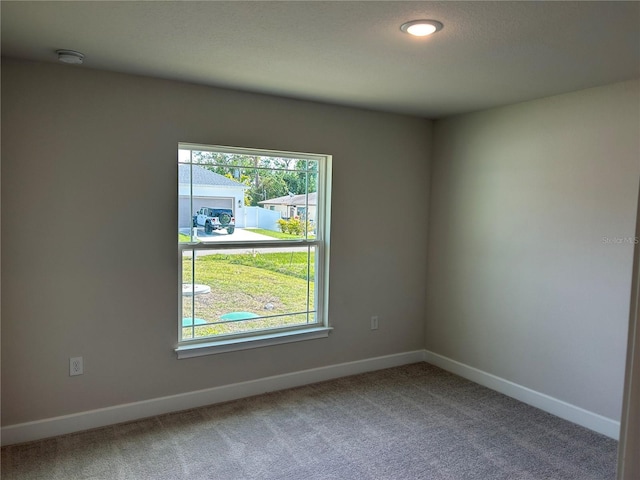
[(348, 53)]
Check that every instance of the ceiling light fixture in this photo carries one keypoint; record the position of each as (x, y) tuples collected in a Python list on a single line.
[(70, 56), (421, 28)]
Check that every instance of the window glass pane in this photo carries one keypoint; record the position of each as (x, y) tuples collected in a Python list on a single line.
[(218, 203), (239, 290), (185, 204), (252, 224), (308, 210), (242, 160), (184, 156)]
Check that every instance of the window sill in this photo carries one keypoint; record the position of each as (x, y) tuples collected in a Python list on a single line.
[(246, 343)]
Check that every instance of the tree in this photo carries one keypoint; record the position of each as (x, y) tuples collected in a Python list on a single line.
[(266, 177)]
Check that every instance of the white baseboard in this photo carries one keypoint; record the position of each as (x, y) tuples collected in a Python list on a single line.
[(559, 408), (50, 427)]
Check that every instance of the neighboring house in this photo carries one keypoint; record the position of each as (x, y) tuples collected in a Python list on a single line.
[(210, 189), (293, 206)]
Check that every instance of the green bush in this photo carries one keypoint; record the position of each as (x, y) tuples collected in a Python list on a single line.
[(284, 225), (294, 226)]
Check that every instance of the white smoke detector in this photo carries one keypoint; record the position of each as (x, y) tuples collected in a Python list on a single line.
[(70, 56)]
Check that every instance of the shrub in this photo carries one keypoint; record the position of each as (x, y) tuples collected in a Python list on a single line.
[(284, 225), (294, 226)]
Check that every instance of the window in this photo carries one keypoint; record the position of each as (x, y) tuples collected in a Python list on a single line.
[(252, 238)]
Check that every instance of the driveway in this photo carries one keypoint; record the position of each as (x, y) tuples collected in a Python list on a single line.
[(240, 235)]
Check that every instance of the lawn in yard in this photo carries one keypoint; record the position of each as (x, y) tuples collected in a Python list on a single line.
[(266, 284), (274, 234)]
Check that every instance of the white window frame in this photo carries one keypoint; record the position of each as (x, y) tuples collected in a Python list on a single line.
[(320, 329)]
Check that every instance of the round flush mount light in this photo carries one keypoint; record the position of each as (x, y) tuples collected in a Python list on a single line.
[(421, 28), (70, 56)]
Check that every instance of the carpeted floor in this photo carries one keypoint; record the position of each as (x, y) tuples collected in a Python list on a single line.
[(410, 422)]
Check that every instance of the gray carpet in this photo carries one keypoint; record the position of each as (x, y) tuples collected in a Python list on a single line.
[(410, 422)]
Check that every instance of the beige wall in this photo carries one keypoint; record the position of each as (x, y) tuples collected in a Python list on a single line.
[(520, 283), (527, 278), (628, 458), (85, 272)]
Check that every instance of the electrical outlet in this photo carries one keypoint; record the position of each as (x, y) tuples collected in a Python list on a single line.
[(75, 366), (374, 322)]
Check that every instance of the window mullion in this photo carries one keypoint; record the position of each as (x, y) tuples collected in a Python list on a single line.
[(193, 296)]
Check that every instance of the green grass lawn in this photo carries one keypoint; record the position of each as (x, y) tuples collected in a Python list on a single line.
[(266, 284), (293, 264), (279, 235), (271, 233)]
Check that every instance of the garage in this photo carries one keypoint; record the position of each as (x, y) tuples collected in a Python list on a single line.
[(186, 210), (199, 187)]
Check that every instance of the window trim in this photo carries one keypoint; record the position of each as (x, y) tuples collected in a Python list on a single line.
[(261, 338), (254, 341)]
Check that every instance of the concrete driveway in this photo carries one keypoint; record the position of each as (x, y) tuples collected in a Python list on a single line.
[(240, 235)]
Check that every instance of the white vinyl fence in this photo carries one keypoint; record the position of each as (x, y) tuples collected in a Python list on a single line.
[(258, 217)]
